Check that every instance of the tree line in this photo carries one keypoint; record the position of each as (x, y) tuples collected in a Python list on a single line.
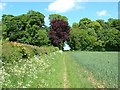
[(86, 34)]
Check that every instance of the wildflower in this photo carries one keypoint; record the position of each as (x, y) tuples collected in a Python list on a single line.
[(28, 85), (60, 51), (24, 87)]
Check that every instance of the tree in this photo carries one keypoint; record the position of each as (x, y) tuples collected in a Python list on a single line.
[(103, 24), (35, 18), (114, 23), (30, 28), (112, 40), (82, 39), (95, 25), (108, 40), (26, 28), (75, 25), (74, 39), (41, 38), (6, 25), (57, 17), (84, 23), (59, 32)]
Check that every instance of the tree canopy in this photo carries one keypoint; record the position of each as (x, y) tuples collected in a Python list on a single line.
[(30, 28), (25, 28), (57, 17), (95, 35), (59, 32)]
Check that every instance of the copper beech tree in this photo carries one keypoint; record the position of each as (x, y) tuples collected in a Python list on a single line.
[(59, 32)]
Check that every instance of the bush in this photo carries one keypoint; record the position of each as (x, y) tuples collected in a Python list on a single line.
[(10, 53), (13, 51)]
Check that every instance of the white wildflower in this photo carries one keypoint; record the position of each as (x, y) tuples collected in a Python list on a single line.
[(60, 51)]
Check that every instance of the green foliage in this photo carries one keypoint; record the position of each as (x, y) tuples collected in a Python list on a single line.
[(86, 35), (82, 39), (41, 38), (10, 53), (84, 23), (75, 25), (25, 28), (13, 52), (114, 23), (95, 35), (108, 40), (95, 25), (35, 36), (103, 24), (57, 17), (74, 40)]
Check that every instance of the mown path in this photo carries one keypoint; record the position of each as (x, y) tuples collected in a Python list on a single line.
[(65, 73)]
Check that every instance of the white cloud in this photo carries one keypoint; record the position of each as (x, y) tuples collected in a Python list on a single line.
[(61, 5), (102, 13), (2, 6), (79, 7)]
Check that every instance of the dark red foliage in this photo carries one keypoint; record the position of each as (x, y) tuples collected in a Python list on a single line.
[(59, 32)]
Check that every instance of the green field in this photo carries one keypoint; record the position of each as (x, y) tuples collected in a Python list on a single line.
[(101, 68), (64, 70)]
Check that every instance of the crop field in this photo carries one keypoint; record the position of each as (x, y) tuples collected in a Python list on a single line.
[(72, 69), (101, 68)]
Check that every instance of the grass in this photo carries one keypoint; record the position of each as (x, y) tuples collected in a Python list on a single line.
[(55, 79), (76, 76), (55, 69), (37, 72), (32, 71)]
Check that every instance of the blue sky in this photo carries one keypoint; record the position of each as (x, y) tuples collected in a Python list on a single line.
[(74, 11)]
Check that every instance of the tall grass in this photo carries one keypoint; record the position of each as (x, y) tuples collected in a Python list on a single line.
[(27, 66), (36, 72)]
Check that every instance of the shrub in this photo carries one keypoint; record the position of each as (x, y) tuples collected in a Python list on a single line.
[(13, 51)]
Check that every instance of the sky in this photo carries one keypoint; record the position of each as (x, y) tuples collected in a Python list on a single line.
[(73, 10)]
